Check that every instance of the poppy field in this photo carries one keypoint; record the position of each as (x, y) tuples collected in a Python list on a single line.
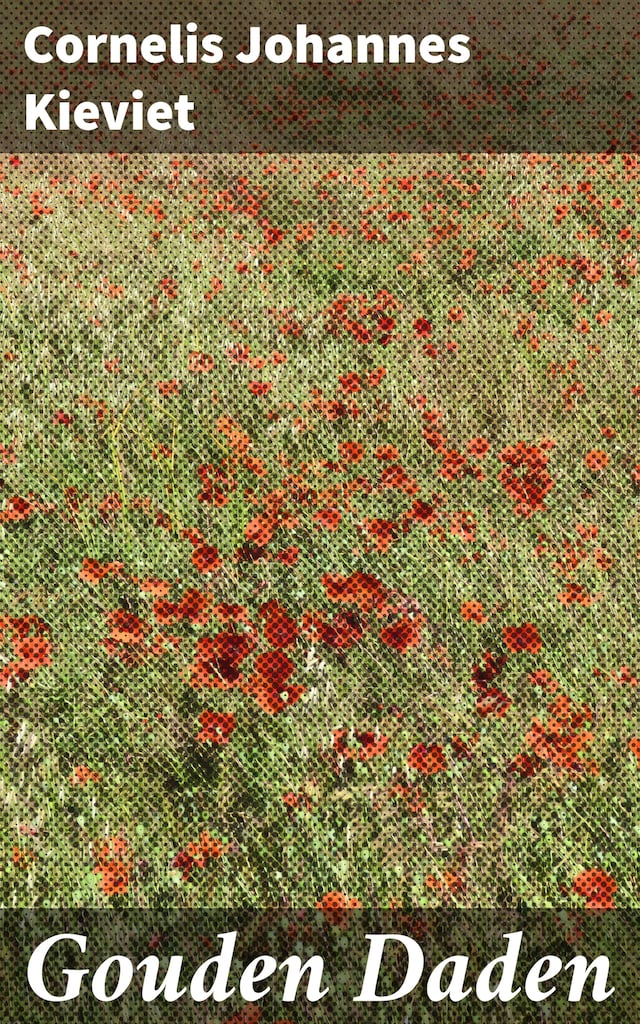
[(320, 523)]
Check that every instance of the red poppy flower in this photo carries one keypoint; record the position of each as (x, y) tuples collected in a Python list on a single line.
[(597, 887), (473, 611), (350, 383), (82, 774), (395, 476), (493, 701), (387, 452), (401, 636), (335, 907), (375, 378), (525, 477), (562, 740), (288, 556), (454, 465), (17, 508), (422, 327), (260, 530), (270, 684), (169, 287), (11, 674), (273, 235), (280, 630), (125, 627), (259, 388), (194, 606), (371, 744), (297, 801), (168, 388), (342, 633), (93, 571), (494, 664), (217, 659), (382, 533), (217, 727), (596, 460), (200, 362), (274, 667), (478, 447), (422, 512), (490, 700), (522, 638), (33, 652), (525, 765), (542, 677), (206, 558), (427, 760), (197, 855), (250, 553), (62, 418), (115, 865), (351, 451), (328, 519), (463, 751), (364, 590), (575, 593)]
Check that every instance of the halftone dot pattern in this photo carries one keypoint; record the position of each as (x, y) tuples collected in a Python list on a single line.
[(319, 509), (287, 77), (319, 482), (597, 887)]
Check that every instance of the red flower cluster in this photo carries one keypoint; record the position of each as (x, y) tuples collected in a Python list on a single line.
[(197, 855), (402, 635), (525, 477), (427, 760), (217, 727), (358, 745), (335, 907), (29, 638), (597, 887), (115, 864), (218, 659), (522, 638), (490, 699), (560, 742), (270, 686)]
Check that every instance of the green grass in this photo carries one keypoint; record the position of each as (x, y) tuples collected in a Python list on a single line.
[(511, 840)]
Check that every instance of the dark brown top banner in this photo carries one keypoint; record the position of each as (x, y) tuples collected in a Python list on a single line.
[(364, 77)]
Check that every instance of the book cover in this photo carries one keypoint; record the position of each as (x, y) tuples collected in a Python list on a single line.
[(319, 512)]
